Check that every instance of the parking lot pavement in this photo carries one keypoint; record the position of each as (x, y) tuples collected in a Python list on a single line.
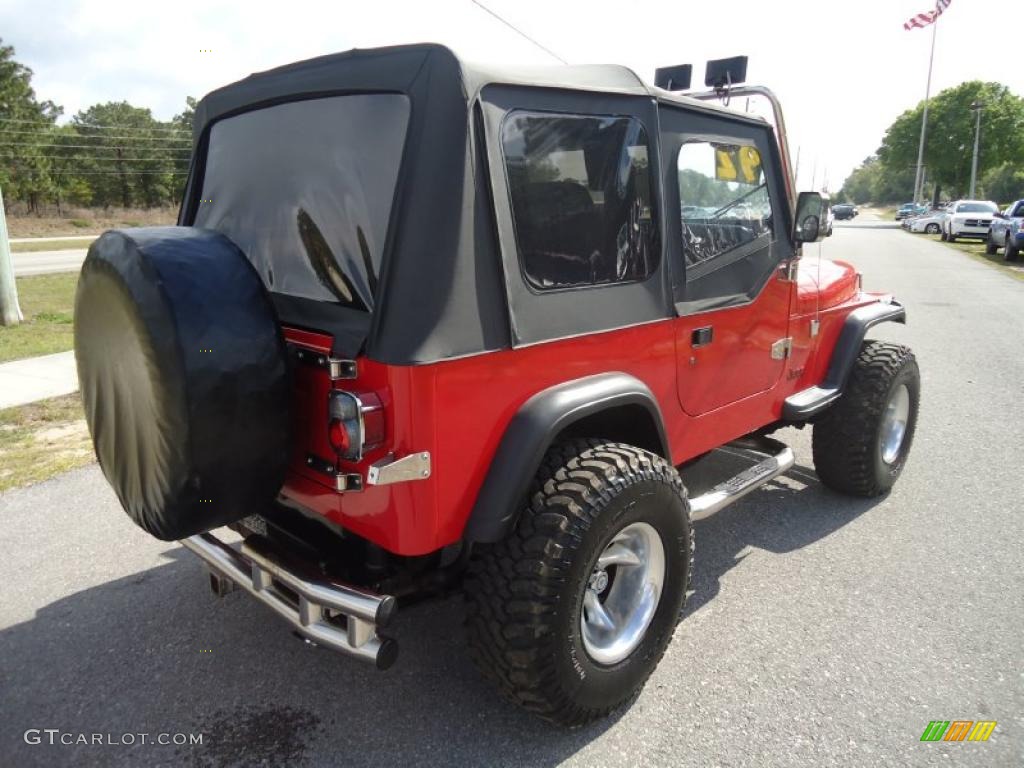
[(821, 630)]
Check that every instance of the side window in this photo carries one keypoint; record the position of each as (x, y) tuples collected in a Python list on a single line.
[(582, 201), (724, 202), (1019, 211)]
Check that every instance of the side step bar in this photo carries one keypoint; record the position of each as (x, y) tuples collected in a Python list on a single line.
[(724, 494), (328, 613)]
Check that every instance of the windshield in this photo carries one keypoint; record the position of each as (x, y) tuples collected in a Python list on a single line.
[(305, 190), (976, 208)]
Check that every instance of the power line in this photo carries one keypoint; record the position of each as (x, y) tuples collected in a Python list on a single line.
[(151, 159), (125, 173), (92, 146), (98, 127), (518, 31), (103, 137)]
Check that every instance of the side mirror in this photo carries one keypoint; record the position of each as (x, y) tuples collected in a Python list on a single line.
[(811, 217), (999, 215)]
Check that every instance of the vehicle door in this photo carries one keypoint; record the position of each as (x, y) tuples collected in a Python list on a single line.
[(1000, 225), (728, 246)]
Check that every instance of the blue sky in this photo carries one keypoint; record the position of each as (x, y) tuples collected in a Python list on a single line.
[(844, 70)]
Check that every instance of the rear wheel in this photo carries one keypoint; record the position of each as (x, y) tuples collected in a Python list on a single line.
[(1012, 252), (861, 443), (572, 611), (932, 229)]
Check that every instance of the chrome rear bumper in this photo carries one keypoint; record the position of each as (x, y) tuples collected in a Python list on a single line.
[(326, 612)]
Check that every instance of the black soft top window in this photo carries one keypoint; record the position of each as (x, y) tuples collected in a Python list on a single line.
[(581, 195), (305, 190)]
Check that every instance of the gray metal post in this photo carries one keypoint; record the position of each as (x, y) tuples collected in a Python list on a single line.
[(10, 312), (918, 183), (976, 107)]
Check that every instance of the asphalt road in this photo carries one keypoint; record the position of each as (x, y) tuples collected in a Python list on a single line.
[(46, 262), (821, 630)]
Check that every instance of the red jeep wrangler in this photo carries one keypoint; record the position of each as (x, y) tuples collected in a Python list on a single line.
[(425, 325)]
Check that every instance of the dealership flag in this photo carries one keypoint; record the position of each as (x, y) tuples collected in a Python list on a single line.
[(922, 20)]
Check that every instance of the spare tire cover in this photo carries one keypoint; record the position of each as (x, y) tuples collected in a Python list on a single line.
[(183, 373)]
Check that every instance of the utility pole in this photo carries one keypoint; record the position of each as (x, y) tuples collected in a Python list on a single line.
[(10, 312), (976, 107), (918, 182)]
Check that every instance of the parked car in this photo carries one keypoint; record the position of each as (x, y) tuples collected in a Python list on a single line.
[(482, 371), (905, 210), (929, 223), (1007, 231), (844, 211), (968, 218)]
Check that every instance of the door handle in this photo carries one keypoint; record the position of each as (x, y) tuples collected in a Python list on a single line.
[(701, 337)]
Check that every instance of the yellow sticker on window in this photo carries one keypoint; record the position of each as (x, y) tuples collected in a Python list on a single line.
[(741, 164), (725, 164)]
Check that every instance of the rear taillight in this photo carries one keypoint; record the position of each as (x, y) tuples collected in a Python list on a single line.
[(356, 424)]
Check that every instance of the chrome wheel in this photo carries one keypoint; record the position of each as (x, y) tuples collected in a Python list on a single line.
[(623, 593), (894, 424)]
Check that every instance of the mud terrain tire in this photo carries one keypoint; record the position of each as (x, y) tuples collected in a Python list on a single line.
[(525, 594), (855, 451)]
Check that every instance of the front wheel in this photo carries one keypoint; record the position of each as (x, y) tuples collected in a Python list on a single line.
[(932, 229), (945, 237), (860, 444), (1012, 252), (991, 246), (572, 611)]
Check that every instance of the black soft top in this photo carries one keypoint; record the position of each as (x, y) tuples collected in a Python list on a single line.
[(441, 292)]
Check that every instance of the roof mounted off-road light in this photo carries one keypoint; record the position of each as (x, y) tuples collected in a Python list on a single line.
[(723, 74), (675, 78)]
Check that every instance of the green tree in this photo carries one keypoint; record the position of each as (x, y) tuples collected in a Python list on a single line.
[(130, 157), (182, 124), (24, 161), (949, 144), (873, 182), (860, 185), (1004, 183)]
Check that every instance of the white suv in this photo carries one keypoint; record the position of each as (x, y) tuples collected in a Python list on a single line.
[(968, 218)]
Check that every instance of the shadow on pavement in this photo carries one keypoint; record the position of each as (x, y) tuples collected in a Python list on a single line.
[(155, 653), (787, 514)]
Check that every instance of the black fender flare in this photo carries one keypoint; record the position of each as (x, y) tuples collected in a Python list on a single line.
[(801, 406), (536, 425)]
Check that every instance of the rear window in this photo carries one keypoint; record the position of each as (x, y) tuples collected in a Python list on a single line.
[(305, 190), (976, 208), (581, 199)]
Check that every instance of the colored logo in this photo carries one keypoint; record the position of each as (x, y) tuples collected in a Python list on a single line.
[(958, 730)]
